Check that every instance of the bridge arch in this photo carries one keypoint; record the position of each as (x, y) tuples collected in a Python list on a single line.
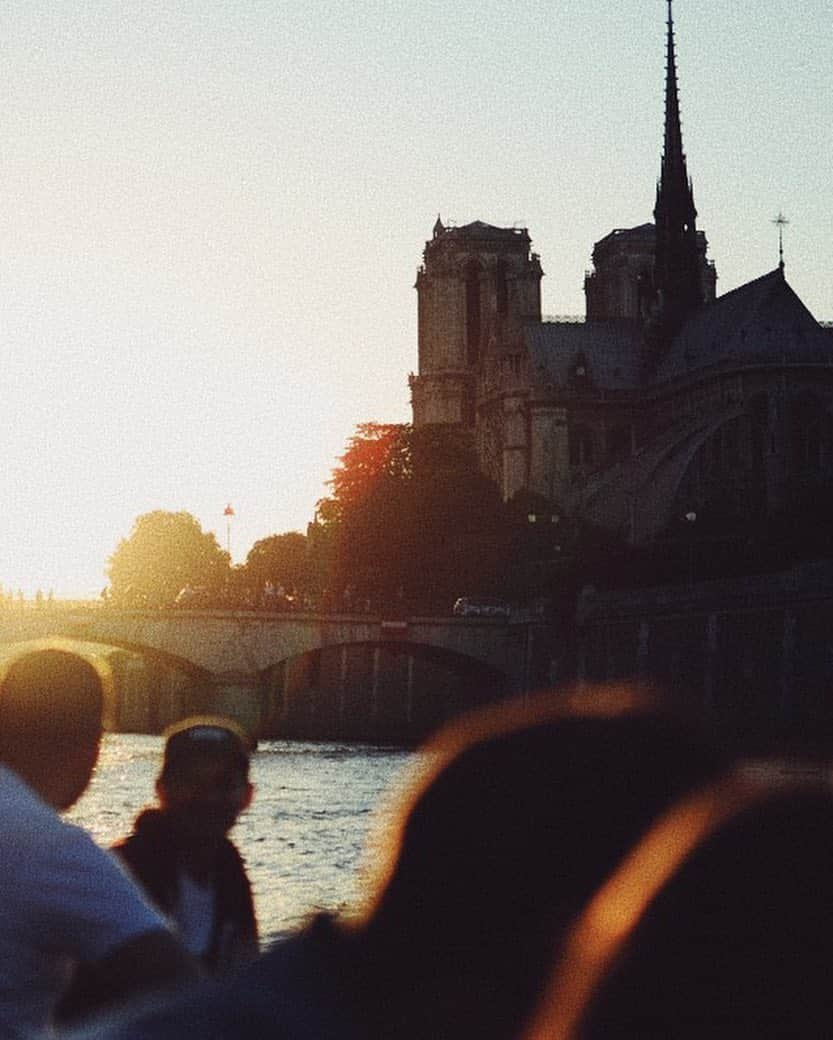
[(228, 651), (378, 690), (147, 688)]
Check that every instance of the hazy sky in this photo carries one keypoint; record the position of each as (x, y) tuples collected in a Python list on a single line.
[(212, 213)]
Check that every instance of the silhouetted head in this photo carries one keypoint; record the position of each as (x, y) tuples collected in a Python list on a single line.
[(719, 925), (204, 782), (51, 705), (524, 811)]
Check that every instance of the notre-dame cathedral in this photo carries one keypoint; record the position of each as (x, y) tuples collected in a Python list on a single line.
[(666, 400)]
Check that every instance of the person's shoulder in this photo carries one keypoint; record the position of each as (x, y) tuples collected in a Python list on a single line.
[(151, 831), (16, 796), (231, 857), (35, 825), (293, 991), (95, 875), (102, 905)]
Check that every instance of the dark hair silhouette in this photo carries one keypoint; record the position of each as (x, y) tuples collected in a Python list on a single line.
[(48, 698), (51, 705), (718, 924), (523, 814)]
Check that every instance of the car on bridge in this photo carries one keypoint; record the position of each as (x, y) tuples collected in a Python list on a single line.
[(474, 606), (193, 597)]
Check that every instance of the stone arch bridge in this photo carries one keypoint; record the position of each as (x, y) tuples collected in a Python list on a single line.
[(285, 673)]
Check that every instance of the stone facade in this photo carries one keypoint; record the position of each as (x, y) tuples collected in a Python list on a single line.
[(665, 400)]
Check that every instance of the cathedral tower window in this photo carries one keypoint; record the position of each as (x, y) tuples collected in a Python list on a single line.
[(618, 442), (581, 446), (501, 288), (513, 364), (472, 313)]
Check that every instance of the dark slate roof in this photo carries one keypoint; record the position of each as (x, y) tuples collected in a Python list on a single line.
[(482, 230), (611, 351), (641, 231), (762, 322)]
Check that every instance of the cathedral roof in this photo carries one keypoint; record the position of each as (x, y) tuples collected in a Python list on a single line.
[(608, 350), (641, 231), (762, 322), (483, 230)]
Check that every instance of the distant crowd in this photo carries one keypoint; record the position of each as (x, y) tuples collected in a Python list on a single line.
[(18, 600), (272, 596), (580, 865)]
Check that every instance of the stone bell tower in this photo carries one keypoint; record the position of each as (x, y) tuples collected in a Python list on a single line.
[(477, 286)]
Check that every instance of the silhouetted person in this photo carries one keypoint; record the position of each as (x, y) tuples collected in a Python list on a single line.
[(737, 940), (180, 851), (523, 813), (63, 900)]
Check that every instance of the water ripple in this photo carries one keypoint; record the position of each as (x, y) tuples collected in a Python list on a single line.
[(304, 837)]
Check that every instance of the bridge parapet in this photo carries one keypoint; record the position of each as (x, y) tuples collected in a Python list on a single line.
[(303, 675), (243, 643)]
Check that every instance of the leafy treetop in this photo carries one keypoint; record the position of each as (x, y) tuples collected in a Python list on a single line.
[(165, 552)]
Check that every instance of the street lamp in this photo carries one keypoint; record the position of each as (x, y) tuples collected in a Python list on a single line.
[(545, 549), (690, 518), (532, 517), (228, 513)]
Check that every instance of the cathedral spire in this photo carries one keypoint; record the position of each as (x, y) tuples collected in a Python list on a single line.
[(673, 160), (676, 272)]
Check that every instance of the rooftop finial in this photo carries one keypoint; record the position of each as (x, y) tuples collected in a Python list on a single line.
[(781, 222)]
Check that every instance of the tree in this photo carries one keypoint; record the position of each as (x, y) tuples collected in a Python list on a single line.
[(165, 552), (280, 559), (413, 518), (376, 453)]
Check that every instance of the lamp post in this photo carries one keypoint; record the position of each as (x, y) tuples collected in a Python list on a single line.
[(543, 547), (532, 517), (690, 518), (228, 513)]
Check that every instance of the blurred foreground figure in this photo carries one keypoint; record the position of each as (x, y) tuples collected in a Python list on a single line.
[(523, 813), (180, 852), (63, 900), (718, 924)]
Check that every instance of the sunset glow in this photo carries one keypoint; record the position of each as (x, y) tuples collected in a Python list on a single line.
[(212, 216)]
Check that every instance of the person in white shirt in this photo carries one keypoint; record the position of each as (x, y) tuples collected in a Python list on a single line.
[(64, 901)]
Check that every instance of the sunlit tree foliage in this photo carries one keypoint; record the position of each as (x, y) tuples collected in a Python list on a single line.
[(165, 552), (280, 559), (412, 520), (376, 453)]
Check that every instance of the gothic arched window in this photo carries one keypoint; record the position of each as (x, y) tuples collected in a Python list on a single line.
[(720, 483), (501, 287), (810, 435), (618, 442), (759, 432), (473, 312), (581, 446)]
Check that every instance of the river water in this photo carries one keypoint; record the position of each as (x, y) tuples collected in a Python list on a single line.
[(308, 838)]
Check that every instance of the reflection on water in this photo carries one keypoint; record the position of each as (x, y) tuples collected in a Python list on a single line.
[(304, 838)]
